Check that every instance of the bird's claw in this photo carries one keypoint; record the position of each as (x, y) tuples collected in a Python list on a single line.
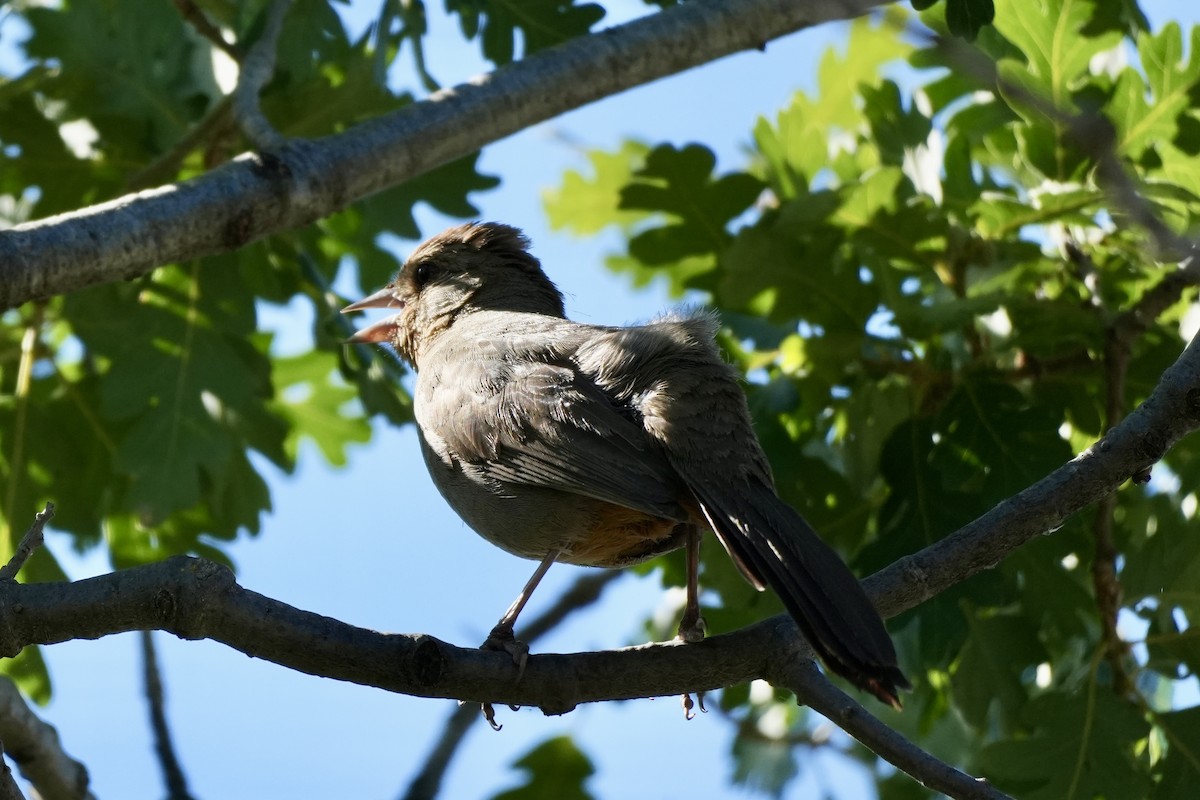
[(489, 714), (688, 705), (502, 639)]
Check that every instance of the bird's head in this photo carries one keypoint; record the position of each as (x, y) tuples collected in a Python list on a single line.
[(479, 266)]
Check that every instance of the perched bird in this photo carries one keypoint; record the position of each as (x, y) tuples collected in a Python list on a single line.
[(603, 446)]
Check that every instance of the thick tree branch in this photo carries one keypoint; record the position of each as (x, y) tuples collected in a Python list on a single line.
[(260, 194), (35, 747), (1140, 440), (196, 599)]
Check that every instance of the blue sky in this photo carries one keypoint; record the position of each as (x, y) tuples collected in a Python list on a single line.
[(373, 544)]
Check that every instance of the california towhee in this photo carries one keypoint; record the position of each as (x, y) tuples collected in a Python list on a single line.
[(600, 446)]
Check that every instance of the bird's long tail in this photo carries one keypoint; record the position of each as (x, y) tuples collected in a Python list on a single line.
[(774, 545)]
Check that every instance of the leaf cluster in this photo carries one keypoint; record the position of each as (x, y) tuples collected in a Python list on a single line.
[(161, 402), (931, 291)]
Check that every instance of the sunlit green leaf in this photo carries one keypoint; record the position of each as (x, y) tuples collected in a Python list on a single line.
[(555, 768)]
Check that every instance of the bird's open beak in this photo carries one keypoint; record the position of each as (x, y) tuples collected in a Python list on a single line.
[(385, 329), (382, 331), (384, 298)]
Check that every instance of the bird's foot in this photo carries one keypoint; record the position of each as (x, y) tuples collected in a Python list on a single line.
[(502, 639), (688, 705), (691, 630), (692, 627), (489, 714)]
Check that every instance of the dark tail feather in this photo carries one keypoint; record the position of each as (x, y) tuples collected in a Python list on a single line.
[(775, 545)]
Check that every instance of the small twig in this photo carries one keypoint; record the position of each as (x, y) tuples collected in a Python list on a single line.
[(204, 26), (164, 168), (257, 68), (1104, 565), (815, 691), (426, 784), (35, 748), (20, 392), (1135, 320), (1107, 587), (1120, 334), (173, 776), (31, 541)]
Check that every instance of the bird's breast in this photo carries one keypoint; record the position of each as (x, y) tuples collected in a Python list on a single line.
[(530, 521)]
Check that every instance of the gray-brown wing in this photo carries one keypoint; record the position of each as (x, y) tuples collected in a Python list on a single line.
[(697, 410), (548, 425)]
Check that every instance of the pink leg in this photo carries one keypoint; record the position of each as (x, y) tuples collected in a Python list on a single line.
[(691, 626), (502, 636)]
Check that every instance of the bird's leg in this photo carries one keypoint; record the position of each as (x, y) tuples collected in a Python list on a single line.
[(691, 626), (502, 636)]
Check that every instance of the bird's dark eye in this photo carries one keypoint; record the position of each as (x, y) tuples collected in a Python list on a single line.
[(422, 274)]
